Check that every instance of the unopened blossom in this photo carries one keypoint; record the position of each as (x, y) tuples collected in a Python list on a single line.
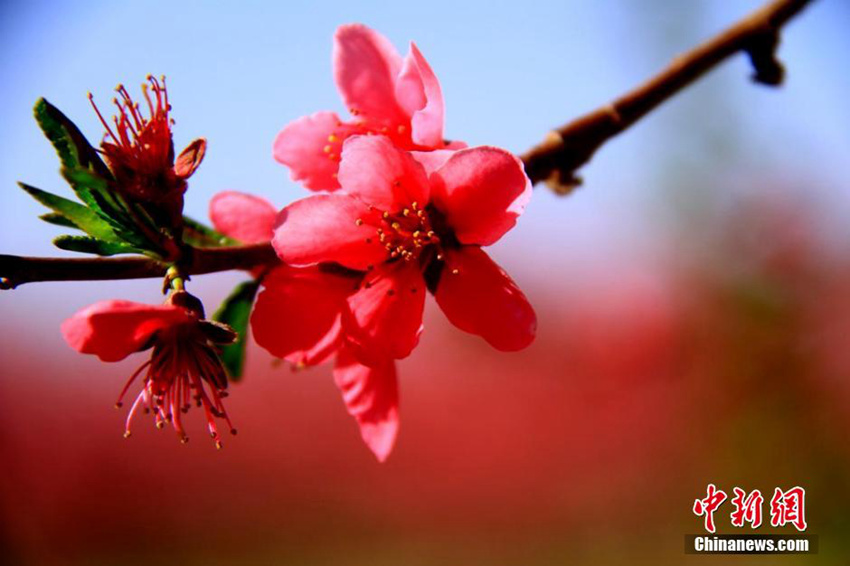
[(414, 222), (386, 94), (139, 151), (298, 317), (184, 368)]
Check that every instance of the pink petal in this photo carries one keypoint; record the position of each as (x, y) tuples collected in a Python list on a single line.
[(245, 217), (324, 228), (433, 160), (378, 173), (371, 397), (482, 299), (113, 330), (297, 314), (365, 69), (310, 146), (482, 191), (418, 92), (386, 313)]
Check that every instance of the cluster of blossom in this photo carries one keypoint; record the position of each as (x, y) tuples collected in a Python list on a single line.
[(786, 507), (399, 212)]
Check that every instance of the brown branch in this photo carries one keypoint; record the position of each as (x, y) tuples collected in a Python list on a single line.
[(556, 159), (16, 270)]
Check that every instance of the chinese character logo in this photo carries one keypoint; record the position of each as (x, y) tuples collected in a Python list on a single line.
[(714, 499), (788, 507), (747, 508)]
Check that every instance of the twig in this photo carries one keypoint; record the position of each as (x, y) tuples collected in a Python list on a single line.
[(556, 159), (16, 270)]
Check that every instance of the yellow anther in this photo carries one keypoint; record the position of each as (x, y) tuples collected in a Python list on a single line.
[(327, 149), (430, 234), (414, 205), (416, 234), (405, 211), (396, 225), (359, 222), (455, 271), (332, 138), (127, 434), (386, 215), (402, 129), (420, 213), (439, 257)]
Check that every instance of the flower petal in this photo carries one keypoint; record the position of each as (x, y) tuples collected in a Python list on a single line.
[(481, 299), (245, 217), (113, 330), (371, 397), (419, 94), (433, 160), (482, 191), (385, 317), (297, 314), (379, 174), (310, 147), (324, 228), (365, 69), (190, 158)]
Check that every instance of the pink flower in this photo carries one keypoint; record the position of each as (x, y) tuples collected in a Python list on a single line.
[(388, 95), (298, 317), (412, 225), (184, 366)]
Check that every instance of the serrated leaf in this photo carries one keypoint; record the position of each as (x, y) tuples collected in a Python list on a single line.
[(58, 220), (235, 311), (89, 245), (80, 216), (200, 235), (73, 148)]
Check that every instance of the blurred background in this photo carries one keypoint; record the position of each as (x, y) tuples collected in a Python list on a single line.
[(693, 299)]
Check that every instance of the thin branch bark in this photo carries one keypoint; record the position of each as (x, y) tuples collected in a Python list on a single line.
[(16, 270), (555, 160)]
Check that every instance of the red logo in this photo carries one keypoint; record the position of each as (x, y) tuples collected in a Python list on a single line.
[(786, 507)]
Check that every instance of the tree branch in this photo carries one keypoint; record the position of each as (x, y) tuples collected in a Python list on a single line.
[(16, 270), (556, 159)]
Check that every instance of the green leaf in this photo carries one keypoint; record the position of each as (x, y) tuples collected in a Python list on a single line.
[(235, 312), (88, 245), (80, 216), (200, 235), (73, 148), (58, 220)]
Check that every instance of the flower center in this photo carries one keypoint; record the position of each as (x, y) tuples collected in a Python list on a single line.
[(405, 234), (183, 370)]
